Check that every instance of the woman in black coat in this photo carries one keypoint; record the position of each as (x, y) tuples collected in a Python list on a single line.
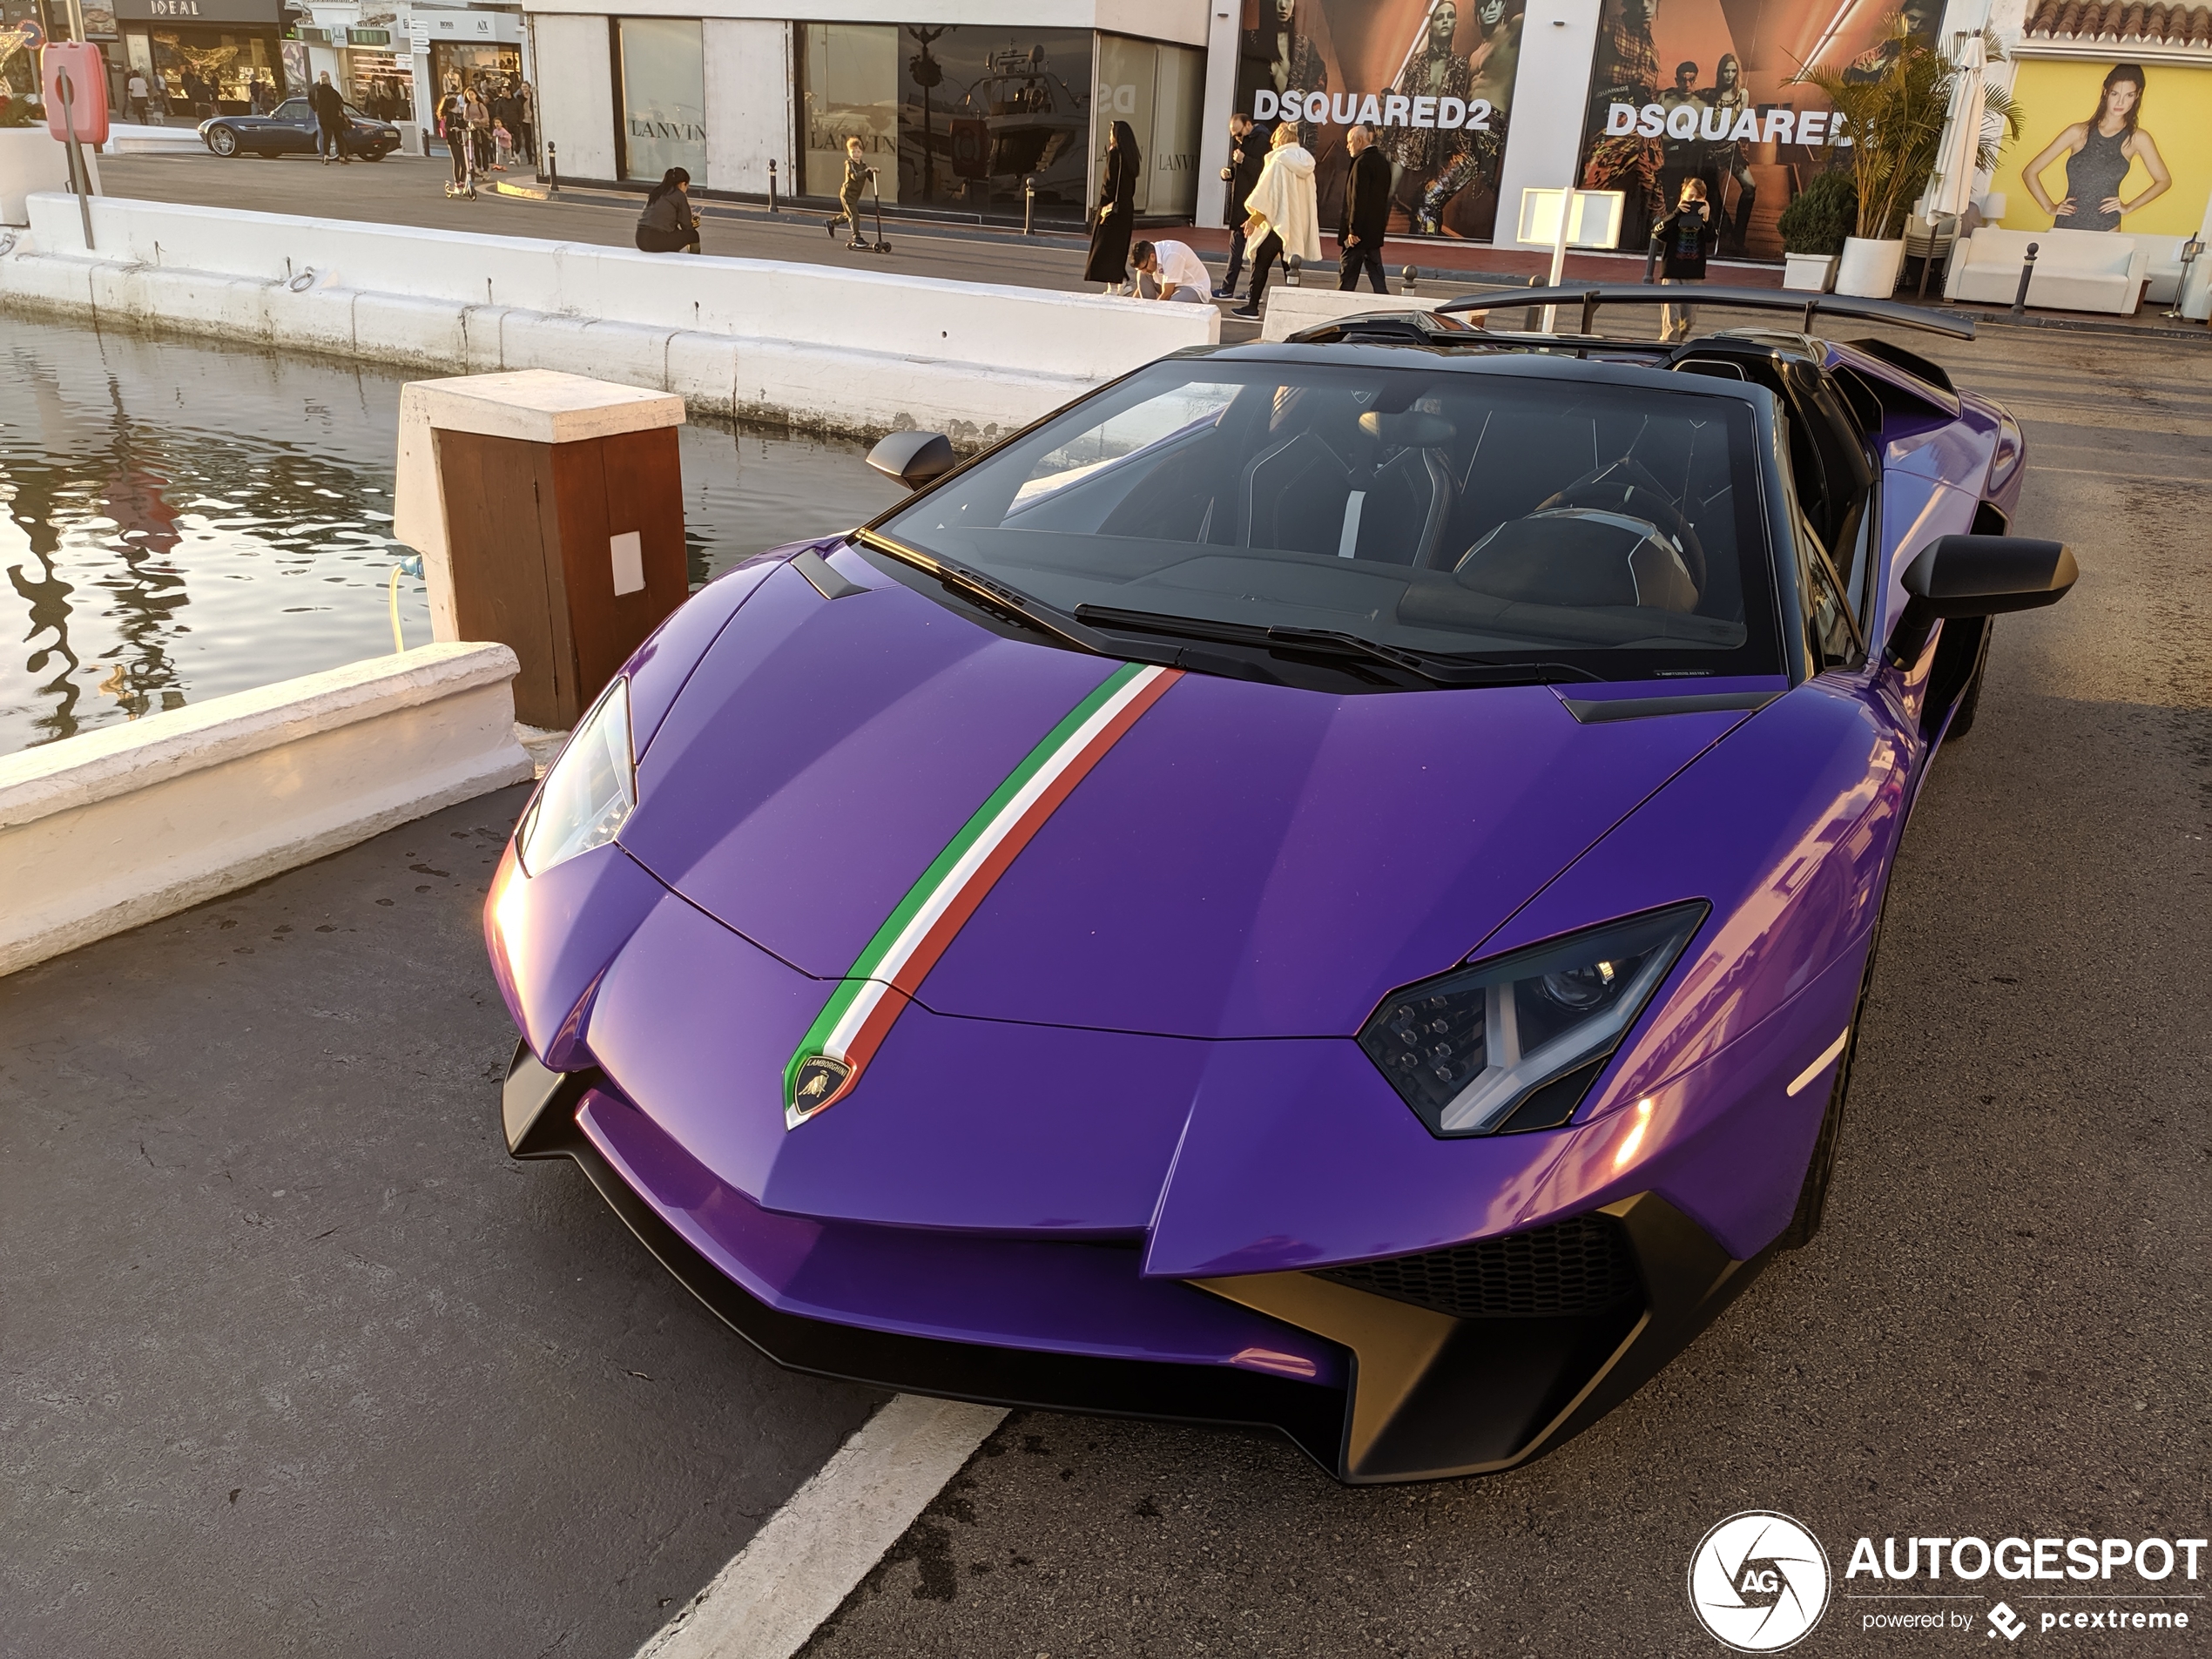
[(1683, 239), (1109, 231)]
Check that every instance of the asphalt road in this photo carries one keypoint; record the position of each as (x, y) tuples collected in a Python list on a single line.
[(293, 1359), (2001, 1328)]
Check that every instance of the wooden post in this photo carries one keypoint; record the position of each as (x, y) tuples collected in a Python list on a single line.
[(549, 509)]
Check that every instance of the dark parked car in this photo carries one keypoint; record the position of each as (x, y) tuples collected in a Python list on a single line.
[(290, 131)]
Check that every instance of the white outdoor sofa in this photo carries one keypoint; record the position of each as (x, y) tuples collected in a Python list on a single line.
[(2074, 270)]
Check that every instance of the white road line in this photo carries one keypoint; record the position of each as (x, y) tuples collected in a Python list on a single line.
[(808, 1556)]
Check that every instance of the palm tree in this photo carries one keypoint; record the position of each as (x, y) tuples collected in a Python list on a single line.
[(1896, 119)]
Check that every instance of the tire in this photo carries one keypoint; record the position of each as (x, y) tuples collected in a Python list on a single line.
[(1813, 1196), (224, 143)]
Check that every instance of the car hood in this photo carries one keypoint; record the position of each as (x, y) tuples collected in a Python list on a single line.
[(1246, 860)]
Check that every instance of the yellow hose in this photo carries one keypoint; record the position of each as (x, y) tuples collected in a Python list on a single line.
[(399, 640)]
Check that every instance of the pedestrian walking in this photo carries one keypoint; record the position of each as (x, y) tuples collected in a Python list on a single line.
[(257, 96), (1280, 211), (668, 225), (1116, 218), (1247, 149), (1685, 237), (330, 121), (501, 106), (134, 93), (857, 174), (502, 146), (1367, 214), (1170, 271), (452, 122)]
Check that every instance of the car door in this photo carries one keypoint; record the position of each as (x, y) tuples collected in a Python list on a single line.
[(291, 131)]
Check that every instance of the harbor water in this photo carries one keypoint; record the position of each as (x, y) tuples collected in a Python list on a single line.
[(179, 519)]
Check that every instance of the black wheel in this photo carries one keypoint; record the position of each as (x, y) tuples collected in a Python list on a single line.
[(223, 142), (1813, 1197), (1970, 699)]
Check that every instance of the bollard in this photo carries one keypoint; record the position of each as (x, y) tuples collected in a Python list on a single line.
[(2028, 272), (1029, 205), (552, 166), (572, 586), (1532, 321), (772, 185), (1411, 277), (1293, 267)]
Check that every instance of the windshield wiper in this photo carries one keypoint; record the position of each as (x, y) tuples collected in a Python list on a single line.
[(1435, 667), (993, 596)]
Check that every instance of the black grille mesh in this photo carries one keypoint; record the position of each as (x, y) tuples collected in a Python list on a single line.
[(1578, 1265)]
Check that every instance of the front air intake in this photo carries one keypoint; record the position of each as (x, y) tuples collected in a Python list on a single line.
[(1580, 1265)]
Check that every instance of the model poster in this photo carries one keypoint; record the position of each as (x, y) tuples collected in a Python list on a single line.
[(1434, 77), (1708, 89), (2109, 145)]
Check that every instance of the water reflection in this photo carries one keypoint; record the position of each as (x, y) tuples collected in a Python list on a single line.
[(183, 521)]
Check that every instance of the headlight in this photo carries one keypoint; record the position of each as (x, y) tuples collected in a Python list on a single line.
[(589, 791), (1514, 1042)]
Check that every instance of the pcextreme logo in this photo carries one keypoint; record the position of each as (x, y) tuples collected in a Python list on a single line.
[(1758, 1581)]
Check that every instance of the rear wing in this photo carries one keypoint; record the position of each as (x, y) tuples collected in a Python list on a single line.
[(1805, 306)]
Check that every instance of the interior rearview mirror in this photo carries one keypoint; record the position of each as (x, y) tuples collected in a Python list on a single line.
[(1977, 575), (914, 458)]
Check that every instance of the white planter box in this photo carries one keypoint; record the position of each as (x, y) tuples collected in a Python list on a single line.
[(1868, 268), (1812, 272)]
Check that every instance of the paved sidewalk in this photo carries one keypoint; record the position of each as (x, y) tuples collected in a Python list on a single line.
[(406, 190)]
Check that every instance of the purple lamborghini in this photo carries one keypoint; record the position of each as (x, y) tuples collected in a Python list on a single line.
[(1324, 885)]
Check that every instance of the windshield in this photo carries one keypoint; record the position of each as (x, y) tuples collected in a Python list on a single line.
[(1509, 518)]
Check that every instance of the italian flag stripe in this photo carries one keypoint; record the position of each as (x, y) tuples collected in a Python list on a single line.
[(891, 967)]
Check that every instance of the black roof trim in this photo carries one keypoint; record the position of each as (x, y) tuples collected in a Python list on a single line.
[(1591, 296)]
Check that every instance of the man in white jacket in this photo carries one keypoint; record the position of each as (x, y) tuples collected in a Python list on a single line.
[(1284, 219)]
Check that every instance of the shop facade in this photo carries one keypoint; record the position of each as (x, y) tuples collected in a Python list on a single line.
[(395, 62), (1475, 101), (961, 117), (205, 57)]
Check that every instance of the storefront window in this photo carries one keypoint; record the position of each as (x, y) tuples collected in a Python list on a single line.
[(982, 110), (380, 84), (1158, 90), (663, 98), (480, 68), (207, 72), (848, 76)]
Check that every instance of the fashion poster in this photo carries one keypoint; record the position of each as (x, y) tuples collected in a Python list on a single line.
[(2108, 145), (1707, 88), (1433, 78)]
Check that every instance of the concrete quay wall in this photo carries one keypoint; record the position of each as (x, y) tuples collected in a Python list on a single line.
[(860, 352), (129, 822)]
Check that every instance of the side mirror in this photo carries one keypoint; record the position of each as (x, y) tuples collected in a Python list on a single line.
[(914, 458), (1977, 575)]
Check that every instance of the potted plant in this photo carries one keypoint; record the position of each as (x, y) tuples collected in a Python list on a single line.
[(1815, 226), (1893, 107)]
